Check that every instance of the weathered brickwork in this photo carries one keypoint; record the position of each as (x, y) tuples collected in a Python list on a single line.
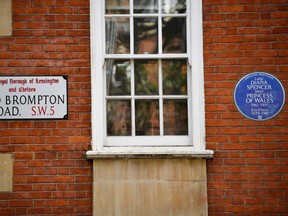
[(248, 175), (51, 175)]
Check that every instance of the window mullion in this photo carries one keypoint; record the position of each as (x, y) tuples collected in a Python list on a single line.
[(131, 29), (104, 100), (133, 124), (133, 113), (189, 92), (159, 28), (188, 39), (161, 98)]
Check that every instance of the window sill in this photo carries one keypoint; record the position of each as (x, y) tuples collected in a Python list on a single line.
[(205, 154)]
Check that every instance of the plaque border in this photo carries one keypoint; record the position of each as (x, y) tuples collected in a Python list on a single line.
[(65, 117), (251, 74)]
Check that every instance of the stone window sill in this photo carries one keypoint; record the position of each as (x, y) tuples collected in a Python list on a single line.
[(205, 154)]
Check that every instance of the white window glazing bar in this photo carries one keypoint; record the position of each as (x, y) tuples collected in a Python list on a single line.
[(148, 97), (189, 102), (133, 112), (105, 98), (161, 113), (131, 28), (147, 56), (159, 28), (189, 32), (116, 15), (151, 15)]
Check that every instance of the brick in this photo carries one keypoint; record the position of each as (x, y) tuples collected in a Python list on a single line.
[(62, 179), (56, 203), (39, 195), (228, 8), (38, 179), (61, 26), (21, 203), (78, 3), (22, 187), (39, 211), (20, 48), (37, 10), (23, 156), (279, 15), (61, 10), (231, 39), (59, 195), (43, 3)]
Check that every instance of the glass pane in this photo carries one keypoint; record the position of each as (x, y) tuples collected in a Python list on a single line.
[(147, 117), (175, 117), (174, 77), (118, 118), (174, 35), (117, 35), (118, 77), (173, 6), (145, 6), (146, 77), (146, 35), (116, 6)]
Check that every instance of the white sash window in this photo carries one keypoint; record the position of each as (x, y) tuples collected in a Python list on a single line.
[(147, 78)]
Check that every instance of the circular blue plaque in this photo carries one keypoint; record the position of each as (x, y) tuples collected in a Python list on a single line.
[(259, 96)]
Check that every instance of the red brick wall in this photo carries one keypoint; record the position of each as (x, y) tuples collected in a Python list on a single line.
[(51, 173), (248, 175)]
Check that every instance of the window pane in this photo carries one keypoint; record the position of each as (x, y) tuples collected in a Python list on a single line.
[(174, 77), (175, 117), (117, 35), (174, 35), (118, 118), (145, 6), (146, 77), (118, 77), (174, 6), (116, 6), (146, 35), (147, 117)]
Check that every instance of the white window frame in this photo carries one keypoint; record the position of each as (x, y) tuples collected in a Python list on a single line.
[(196, 147)]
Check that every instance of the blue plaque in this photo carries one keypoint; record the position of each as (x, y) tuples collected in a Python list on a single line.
[(259, 96)]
